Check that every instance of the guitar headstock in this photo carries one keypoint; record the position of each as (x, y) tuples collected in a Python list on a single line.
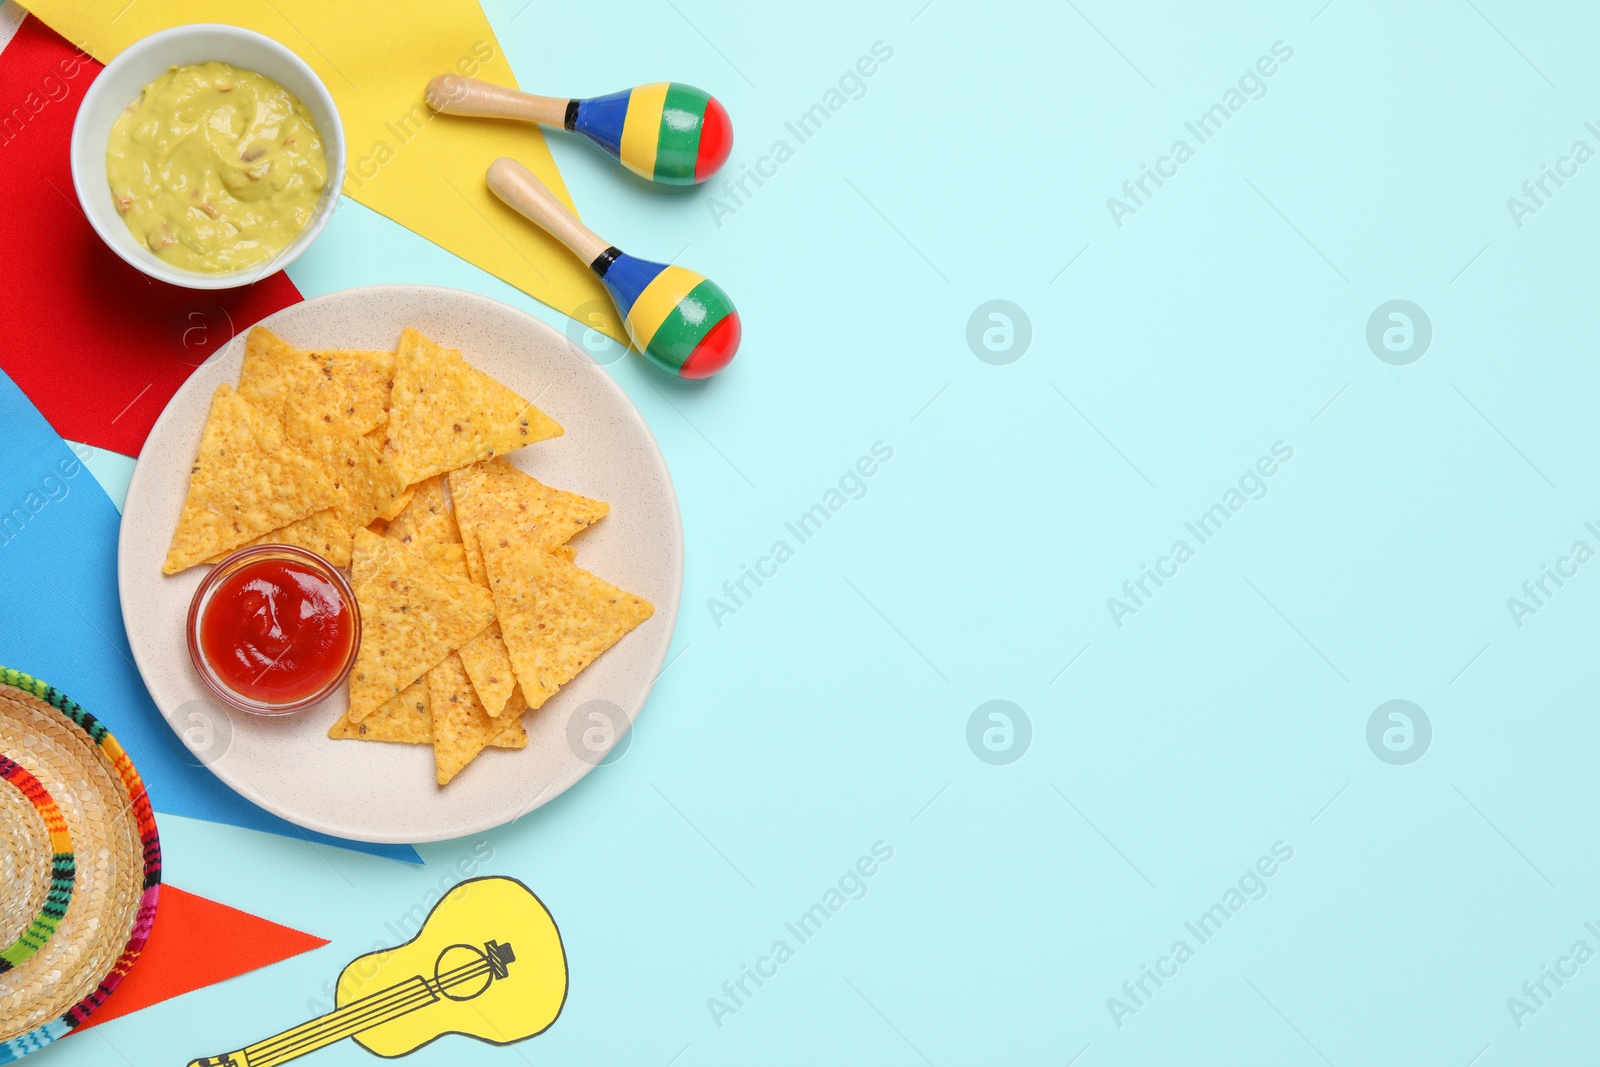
[(498, 956), (227, 1059)]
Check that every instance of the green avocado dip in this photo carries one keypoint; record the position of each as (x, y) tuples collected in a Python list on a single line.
[(215, 168)]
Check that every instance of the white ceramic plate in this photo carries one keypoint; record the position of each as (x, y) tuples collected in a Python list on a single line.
[(386, 792)]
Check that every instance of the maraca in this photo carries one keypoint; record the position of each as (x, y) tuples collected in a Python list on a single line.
[(682, 321), (667, 132)]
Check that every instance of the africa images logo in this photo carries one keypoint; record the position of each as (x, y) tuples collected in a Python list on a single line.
[(1137, 592), (1252, 85), (853, 884), (1250, 886)]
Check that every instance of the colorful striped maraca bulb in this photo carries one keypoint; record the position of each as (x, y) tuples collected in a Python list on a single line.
[(682, 321), (667, 132)]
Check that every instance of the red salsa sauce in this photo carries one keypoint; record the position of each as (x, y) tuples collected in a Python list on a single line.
[(276, 631)]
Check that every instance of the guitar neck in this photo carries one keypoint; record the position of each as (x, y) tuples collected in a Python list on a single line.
[(374, 1010)]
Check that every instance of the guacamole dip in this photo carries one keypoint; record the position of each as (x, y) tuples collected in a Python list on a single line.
[(215, 168)]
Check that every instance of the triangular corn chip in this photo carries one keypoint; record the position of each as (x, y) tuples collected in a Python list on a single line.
[(322, 532), (285, 382), (444, 414), (319, 412), (369, 377), (412, 616), (245, 481), (485, 657), (273, 371), (370, 482), (427, 526), (496, 491), (362, 482), (451, 559), (555, 618), (408, 718), (489, 666), (426, 519), (399, 503), (461, 728)]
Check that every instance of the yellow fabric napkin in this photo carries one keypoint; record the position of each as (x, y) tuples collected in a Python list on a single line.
[(422, 170)]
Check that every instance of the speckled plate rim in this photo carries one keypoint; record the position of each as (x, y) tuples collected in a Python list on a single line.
[(255, 767)]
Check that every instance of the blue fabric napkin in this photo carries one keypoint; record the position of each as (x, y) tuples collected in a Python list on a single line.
[(61, 619)]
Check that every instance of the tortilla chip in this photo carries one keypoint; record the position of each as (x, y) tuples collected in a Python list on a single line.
[(246, 480), (461, 728), (555, 618), (320, 413), (427, 519), (444, 414), (428, 525), (370, 481), (546, 512), (510, 732), (451, 559), (273, 370), (398, 504), (369, 377), (322, 532), (284, 381), (566, 552), (412, 616), (362, 482), (469, 545), (496, 491), (489, 666), (271, 376), (408, 718), (485, 657)]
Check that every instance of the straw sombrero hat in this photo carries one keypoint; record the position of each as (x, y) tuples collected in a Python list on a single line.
[(80, 864)]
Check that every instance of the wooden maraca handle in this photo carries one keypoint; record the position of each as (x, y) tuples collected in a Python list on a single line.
[(451, 94), (516, 185)]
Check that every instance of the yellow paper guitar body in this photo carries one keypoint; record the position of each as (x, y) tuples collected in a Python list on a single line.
[(487, 963)]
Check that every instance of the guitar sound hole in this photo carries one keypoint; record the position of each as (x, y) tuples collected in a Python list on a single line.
[(462, 972)]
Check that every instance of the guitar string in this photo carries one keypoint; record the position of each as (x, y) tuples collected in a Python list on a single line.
[(308, 1038), (397, 1000), (360, 1016)]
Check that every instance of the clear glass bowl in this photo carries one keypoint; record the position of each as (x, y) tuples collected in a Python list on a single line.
[(231, 565)]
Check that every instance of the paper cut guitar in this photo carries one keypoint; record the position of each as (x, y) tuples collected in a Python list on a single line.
[(487, 963)]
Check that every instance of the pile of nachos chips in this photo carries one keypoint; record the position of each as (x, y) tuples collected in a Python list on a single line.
[(473, 609)]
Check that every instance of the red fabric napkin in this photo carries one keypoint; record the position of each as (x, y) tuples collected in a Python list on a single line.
[(96, 345)]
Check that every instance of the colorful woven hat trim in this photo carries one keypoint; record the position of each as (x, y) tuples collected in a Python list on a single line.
[(63, 870), (144, 819)]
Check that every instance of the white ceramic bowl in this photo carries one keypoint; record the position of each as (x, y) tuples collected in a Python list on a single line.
[(140, 64)]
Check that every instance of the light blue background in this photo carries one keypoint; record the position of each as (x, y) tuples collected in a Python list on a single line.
[(1230, 713)]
